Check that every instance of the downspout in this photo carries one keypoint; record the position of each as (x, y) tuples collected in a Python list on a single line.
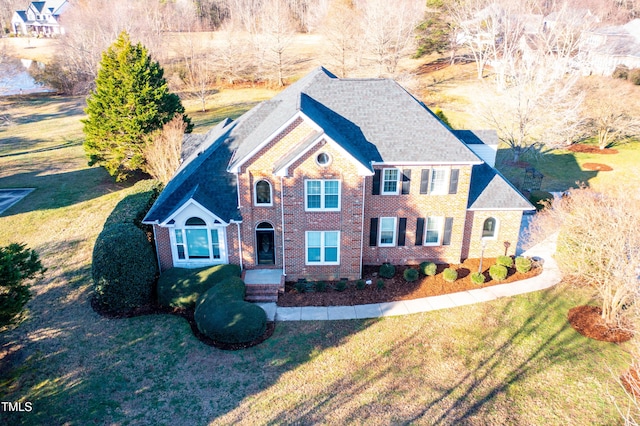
[(364, 181), (284, 270), (155, 242)]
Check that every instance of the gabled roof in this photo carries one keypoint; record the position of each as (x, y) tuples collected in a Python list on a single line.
[(489, 190)]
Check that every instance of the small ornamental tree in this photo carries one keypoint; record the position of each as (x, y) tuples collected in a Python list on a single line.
[(131, 100), (17, 264)]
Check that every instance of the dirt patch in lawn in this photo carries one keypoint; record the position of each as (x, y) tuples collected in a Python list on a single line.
[(590, 149), (587, 320), (518, 164), (187, 314), (597, 167), (397, 288)]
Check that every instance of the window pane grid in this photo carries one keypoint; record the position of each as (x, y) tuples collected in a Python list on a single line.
[(390, 181), (323, 194), (387, 230), (434, 225), (323, 246), (438, 181)]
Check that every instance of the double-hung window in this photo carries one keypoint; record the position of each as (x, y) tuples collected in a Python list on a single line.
[(387, 236), (322, 247), (433, 234), (322, 195), (439, 181), (390, 178)]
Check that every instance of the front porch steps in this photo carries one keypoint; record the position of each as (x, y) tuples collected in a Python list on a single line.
[(263, 285)]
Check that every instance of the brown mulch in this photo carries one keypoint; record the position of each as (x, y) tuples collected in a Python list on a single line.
[(591, 149), (631, 382), (597, 167), (187, 314), (397, 288), (518, 164), (587, 320)]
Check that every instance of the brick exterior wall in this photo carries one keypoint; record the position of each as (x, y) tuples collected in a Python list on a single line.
[(508, 229), (413, 206), (163, 247)]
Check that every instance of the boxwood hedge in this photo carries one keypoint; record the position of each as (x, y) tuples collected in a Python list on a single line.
[(181, 288)]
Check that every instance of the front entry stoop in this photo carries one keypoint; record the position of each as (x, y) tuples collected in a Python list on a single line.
[(263, 285)]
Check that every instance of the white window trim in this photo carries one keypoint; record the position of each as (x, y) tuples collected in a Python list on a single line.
[(187, 262), (398, 182), (322, 196), (440, 230), (395, 233), (322, 247), (495, 231), (255, 194), (447, 181)]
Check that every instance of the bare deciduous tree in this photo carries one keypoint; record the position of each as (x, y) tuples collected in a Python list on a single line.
[(162, 153), (388, 28), (612, 110), (598, 244), (197, 66), (277, 30), (341, 28), (232, 56)]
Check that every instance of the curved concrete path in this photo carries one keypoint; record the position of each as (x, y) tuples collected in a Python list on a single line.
[(549, 277)]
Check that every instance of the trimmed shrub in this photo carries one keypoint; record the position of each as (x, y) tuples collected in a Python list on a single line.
[(380, 283), (410, 274), (477, 278), (301, 286), (498, 272), (340, 286), (360, 284), (523, 264), (321, 286), (506, 261), (387, 270), (230, 288), (428, 268), (124, 268), (134, 207), (234, 321), (621, 72), (181, 287), (450, 275)]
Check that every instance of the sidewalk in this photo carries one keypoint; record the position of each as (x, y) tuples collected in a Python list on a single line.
[(549, 277)]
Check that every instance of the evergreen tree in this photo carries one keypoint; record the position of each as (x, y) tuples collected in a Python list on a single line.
[(130, 101)]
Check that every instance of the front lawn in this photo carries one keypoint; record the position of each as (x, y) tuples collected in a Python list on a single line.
[(509, 361)]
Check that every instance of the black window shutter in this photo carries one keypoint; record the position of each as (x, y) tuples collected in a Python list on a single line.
[(402, 228), (446, 237), (406, 181), (373, 232), (419, 230), (376, 183), (453, 181), (424, 181)]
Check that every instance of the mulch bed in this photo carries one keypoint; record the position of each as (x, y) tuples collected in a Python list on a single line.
[(631, 382), (397, 288), (587, 320), (597, 167), (591, 149), (187, 314)]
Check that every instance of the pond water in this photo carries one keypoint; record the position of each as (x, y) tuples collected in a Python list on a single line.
[(15, 79)]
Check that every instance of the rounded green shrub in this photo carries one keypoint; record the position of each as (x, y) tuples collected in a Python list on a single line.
[(380, 283), (477, 278), (387, 270), (230, 288), (410, 274), (124, 268), (321, 286), (498, 272), (450, 275), (340, 286), (230, 322), (506, 261), (428, 268), (634, 76), (360, 284), (523, 264)]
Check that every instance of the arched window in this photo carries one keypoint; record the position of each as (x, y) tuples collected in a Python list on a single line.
[(489, 228), (197, 242), (263, 192), (195, 221)]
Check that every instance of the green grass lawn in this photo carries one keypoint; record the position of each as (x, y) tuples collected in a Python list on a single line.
[(510, 361)]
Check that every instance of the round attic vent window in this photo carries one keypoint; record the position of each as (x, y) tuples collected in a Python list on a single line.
[(323, 159)]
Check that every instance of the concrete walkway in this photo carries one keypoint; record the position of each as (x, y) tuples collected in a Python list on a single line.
[(549, 277)]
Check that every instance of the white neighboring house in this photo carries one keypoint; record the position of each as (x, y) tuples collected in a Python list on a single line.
[(603, 49), (41, 18)]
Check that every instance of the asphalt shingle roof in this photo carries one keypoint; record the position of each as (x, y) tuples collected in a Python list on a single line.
[(490, 190)]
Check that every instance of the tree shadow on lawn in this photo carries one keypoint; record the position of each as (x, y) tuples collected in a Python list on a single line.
[(560, 169), (57, 190)]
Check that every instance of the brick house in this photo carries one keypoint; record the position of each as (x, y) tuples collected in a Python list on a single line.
[(332, 174)]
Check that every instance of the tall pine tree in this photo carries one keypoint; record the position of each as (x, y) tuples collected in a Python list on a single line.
[(130, 101)]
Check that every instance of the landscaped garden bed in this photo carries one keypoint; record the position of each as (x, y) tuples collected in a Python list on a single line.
[(396, 288)]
